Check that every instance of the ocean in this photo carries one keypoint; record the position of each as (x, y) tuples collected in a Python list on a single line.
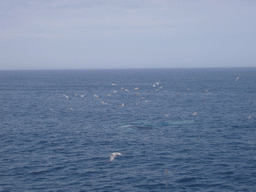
[(177, 130)]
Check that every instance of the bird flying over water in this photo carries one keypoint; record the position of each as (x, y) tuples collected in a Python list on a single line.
[(113, 155)]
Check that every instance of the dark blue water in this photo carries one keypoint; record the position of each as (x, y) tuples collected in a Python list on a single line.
[(193, 130)]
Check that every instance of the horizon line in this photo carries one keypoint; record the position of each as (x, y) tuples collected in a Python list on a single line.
[(82, 69)]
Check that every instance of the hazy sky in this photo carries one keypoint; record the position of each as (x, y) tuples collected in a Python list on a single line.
[(82, 34)]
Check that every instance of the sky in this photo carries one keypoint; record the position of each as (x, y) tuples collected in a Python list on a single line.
[(110, 34)]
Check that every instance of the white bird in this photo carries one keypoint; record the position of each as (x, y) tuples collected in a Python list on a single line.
[(67, 97), (137, 88), (113, 155), (103, 103)]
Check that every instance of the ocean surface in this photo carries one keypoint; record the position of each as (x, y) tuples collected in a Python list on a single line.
[(177, 130)]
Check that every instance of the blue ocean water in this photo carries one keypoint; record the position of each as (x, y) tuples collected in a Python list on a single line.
[(181, 130)]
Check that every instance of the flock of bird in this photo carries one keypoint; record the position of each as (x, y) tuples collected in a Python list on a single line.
[(136, 92), (155, 87), (136, 89)]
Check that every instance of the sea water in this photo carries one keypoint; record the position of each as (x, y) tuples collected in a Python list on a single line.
[(177, 130)]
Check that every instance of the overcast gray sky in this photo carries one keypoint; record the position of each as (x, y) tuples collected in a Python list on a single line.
[(81, 34)]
